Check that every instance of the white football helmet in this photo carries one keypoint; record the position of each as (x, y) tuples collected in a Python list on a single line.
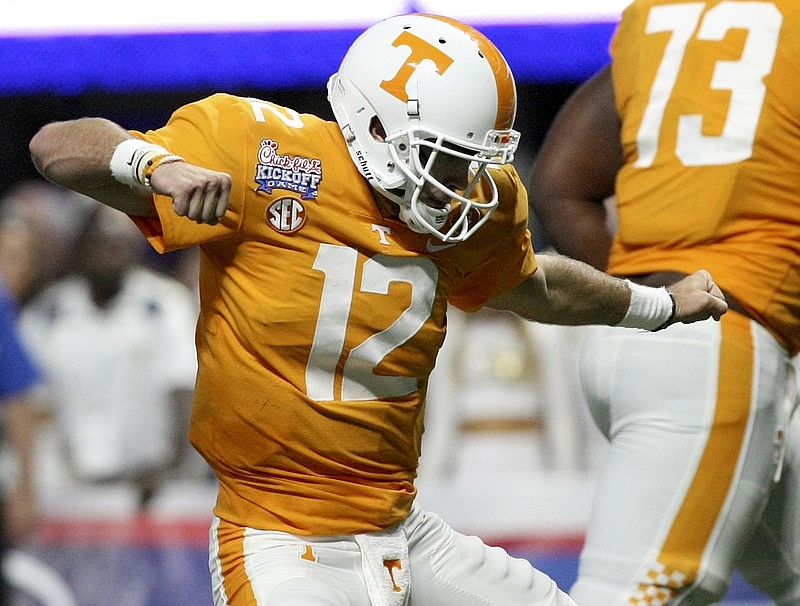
[(437, 86)]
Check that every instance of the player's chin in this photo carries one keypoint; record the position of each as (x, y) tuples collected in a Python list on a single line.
[(436, 202)]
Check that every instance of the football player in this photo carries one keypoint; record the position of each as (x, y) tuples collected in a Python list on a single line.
[(329, 254), (695, 128)]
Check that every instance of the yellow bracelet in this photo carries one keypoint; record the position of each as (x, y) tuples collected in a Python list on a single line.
[(153, 163)]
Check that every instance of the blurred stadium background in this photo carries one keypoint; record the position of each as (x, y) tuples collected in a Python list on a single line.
[(92, 57)]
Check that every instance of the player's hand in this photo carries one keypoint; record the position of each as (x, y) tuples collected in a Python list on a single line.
[(697, 297), (198, 193)]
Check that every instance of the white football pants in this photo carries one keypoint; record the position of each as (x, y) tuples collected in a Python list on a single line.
[(259, 568), (695, 484)]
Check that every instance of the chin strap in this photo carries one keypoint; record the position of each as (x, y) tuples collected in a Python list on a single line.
[(433, 216)]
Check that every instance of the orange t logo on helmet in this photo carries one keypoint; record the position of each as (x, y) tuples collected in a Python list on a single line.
[(420, 50)]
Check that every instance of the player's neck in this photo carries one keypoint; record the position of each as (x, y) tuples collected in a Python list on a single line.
[(386, 207)]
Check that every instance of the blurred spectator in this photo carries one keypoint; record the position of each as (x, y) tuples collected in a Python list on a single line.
[(505, 412), (504, 395), (19, 260), (116, 342), (38, 226), (18, 377)]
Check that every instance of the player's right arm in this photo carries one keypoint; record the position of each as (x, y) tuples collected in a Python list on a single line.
[(76, 154)]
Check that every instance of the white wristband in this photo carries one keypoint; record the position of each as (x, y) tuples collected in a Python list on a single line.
[(130, 158), (650, 308)]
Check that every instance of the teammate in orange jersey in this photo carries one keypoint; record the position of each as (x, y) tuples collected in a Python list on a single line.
[(695, 127), (329, 254)]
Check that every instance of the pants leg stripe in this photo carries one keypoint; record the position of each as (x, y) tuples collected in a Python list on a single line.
[(697, 517), (231, 585)]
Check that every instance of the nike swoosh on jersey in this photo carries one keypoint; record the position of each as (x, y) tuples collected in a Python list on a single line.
[(431, 247)]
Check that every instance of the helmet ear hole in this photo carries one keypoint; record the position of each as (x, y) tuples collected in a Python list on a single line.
[(376, 129)]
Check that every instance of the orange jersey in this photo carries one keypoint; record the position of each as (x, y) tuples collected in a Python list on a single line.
[(711, 136), (321, 319)]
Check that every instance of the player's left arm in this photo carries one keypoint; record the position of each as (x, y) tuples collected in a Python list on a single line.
[(568, 292)]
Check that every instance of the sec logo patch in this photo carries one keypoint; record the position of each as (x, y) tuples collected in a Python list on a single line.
[(286, 215)]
